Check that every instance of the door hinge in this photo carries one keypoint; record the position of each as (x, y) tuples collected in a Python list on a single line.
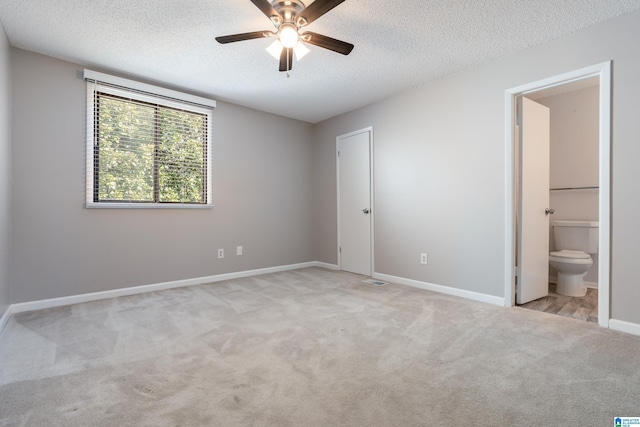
[(517, 271), (338, 153), (339, 249)]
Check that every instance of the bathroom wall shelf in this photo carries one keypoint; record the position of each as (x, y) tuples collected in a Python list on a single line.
[(574, 188)]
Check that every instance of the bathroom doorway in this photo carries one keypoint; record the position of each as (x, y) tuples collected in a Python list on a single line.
[(575, 192)]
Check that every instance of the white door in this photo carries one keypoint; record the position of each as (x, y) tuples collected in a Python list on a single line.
[(354, 202), (533, 219)]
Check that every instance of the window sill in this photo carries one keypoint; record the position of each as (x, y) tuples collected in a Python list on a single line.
[(146, 206)]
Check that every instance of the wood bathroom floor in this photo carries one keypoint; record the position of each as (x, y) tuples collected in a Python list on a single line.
[(583, 308)]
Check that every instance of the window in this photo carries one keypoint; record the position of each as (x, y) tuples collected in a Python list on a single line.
[(146, 146)]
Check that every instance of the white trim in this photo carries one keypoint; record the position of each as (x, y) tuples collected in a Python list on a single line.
[(338, 235), (441, 289), (372, 210), (5, 317), (326, 265), (622, 326), (510, 200), (108, 205), (603, 70), (560, 79), (95, 296), (604, 214), (89, 152), (372, 201), (144, 87)]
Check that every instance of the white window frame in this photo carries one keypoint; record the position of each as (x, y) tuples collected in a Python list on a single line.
[(145, 93)]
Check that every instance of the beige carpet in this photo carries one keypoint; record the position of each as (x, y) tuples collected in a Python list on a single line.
[(311, 347)]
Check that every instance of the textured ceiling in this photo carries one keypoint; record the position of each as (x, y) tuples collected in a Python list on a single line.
[(398, 44)]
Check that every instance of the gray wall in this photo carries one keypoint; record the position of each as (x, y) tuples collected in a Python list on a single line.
[(262, 179), (440, 166), (574, 160), (5, 170), (574, 138)]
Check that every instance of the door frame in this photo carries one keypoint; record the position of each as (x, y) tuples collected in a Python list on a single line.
[(603, 71), (372, 210)]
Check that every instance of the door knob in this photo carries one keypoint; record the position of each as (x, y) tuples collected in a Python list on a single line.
[(549, 211), (365, 210)]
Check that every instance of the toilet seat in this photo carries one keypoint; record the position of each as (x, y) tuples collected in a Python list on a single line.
[(569, 257), (569, 254)]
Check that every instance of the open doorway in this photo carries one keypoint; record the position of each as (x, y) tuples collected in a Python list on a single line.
[(597, 76)]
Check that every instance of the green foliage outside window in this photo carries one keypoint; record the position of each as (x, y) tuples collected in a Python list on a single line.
[(148, 153)]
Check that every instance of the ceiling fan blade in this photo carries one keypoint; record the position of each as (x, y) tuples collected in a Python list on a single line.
[(244, 36), (286, 59), (327, 42), (315, 10), (266, 8)]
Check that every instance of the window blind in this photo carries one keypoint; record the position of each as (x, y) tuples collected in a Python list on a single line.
[(146, 149)]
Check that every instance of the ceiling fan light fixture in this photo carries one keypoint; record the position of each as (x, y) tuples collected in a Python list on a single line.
[(300, 50), (289, 17), (288, 35), (275, 49)]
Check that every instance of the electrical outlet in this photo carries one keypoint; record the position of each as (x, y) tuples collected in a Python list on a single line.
[(423, 258), (239, 250), (220, 253)]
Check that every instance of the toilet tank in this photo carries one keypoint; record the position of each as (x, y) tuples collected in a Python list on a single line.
[(576, 235)]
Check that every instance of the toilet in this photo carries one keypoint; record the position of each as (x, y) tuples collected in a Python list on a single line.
[(575, 241)]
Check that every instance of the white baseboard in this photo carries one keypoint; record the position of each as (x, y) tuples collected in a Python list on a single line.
[(5, 318), (95, 296), (623, 326), (325, 265), (442, 289)]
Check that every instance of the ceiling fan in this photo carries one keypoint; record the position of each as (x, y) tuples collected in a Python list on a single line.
[(289, 17)]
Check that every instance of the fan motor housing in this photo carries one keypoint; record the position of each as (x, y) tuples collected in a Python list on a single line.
[(288, 9)]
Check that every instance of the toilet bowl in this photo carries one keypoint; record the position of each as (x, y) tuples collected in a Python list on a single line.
[(574, 241), (571, 266)]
